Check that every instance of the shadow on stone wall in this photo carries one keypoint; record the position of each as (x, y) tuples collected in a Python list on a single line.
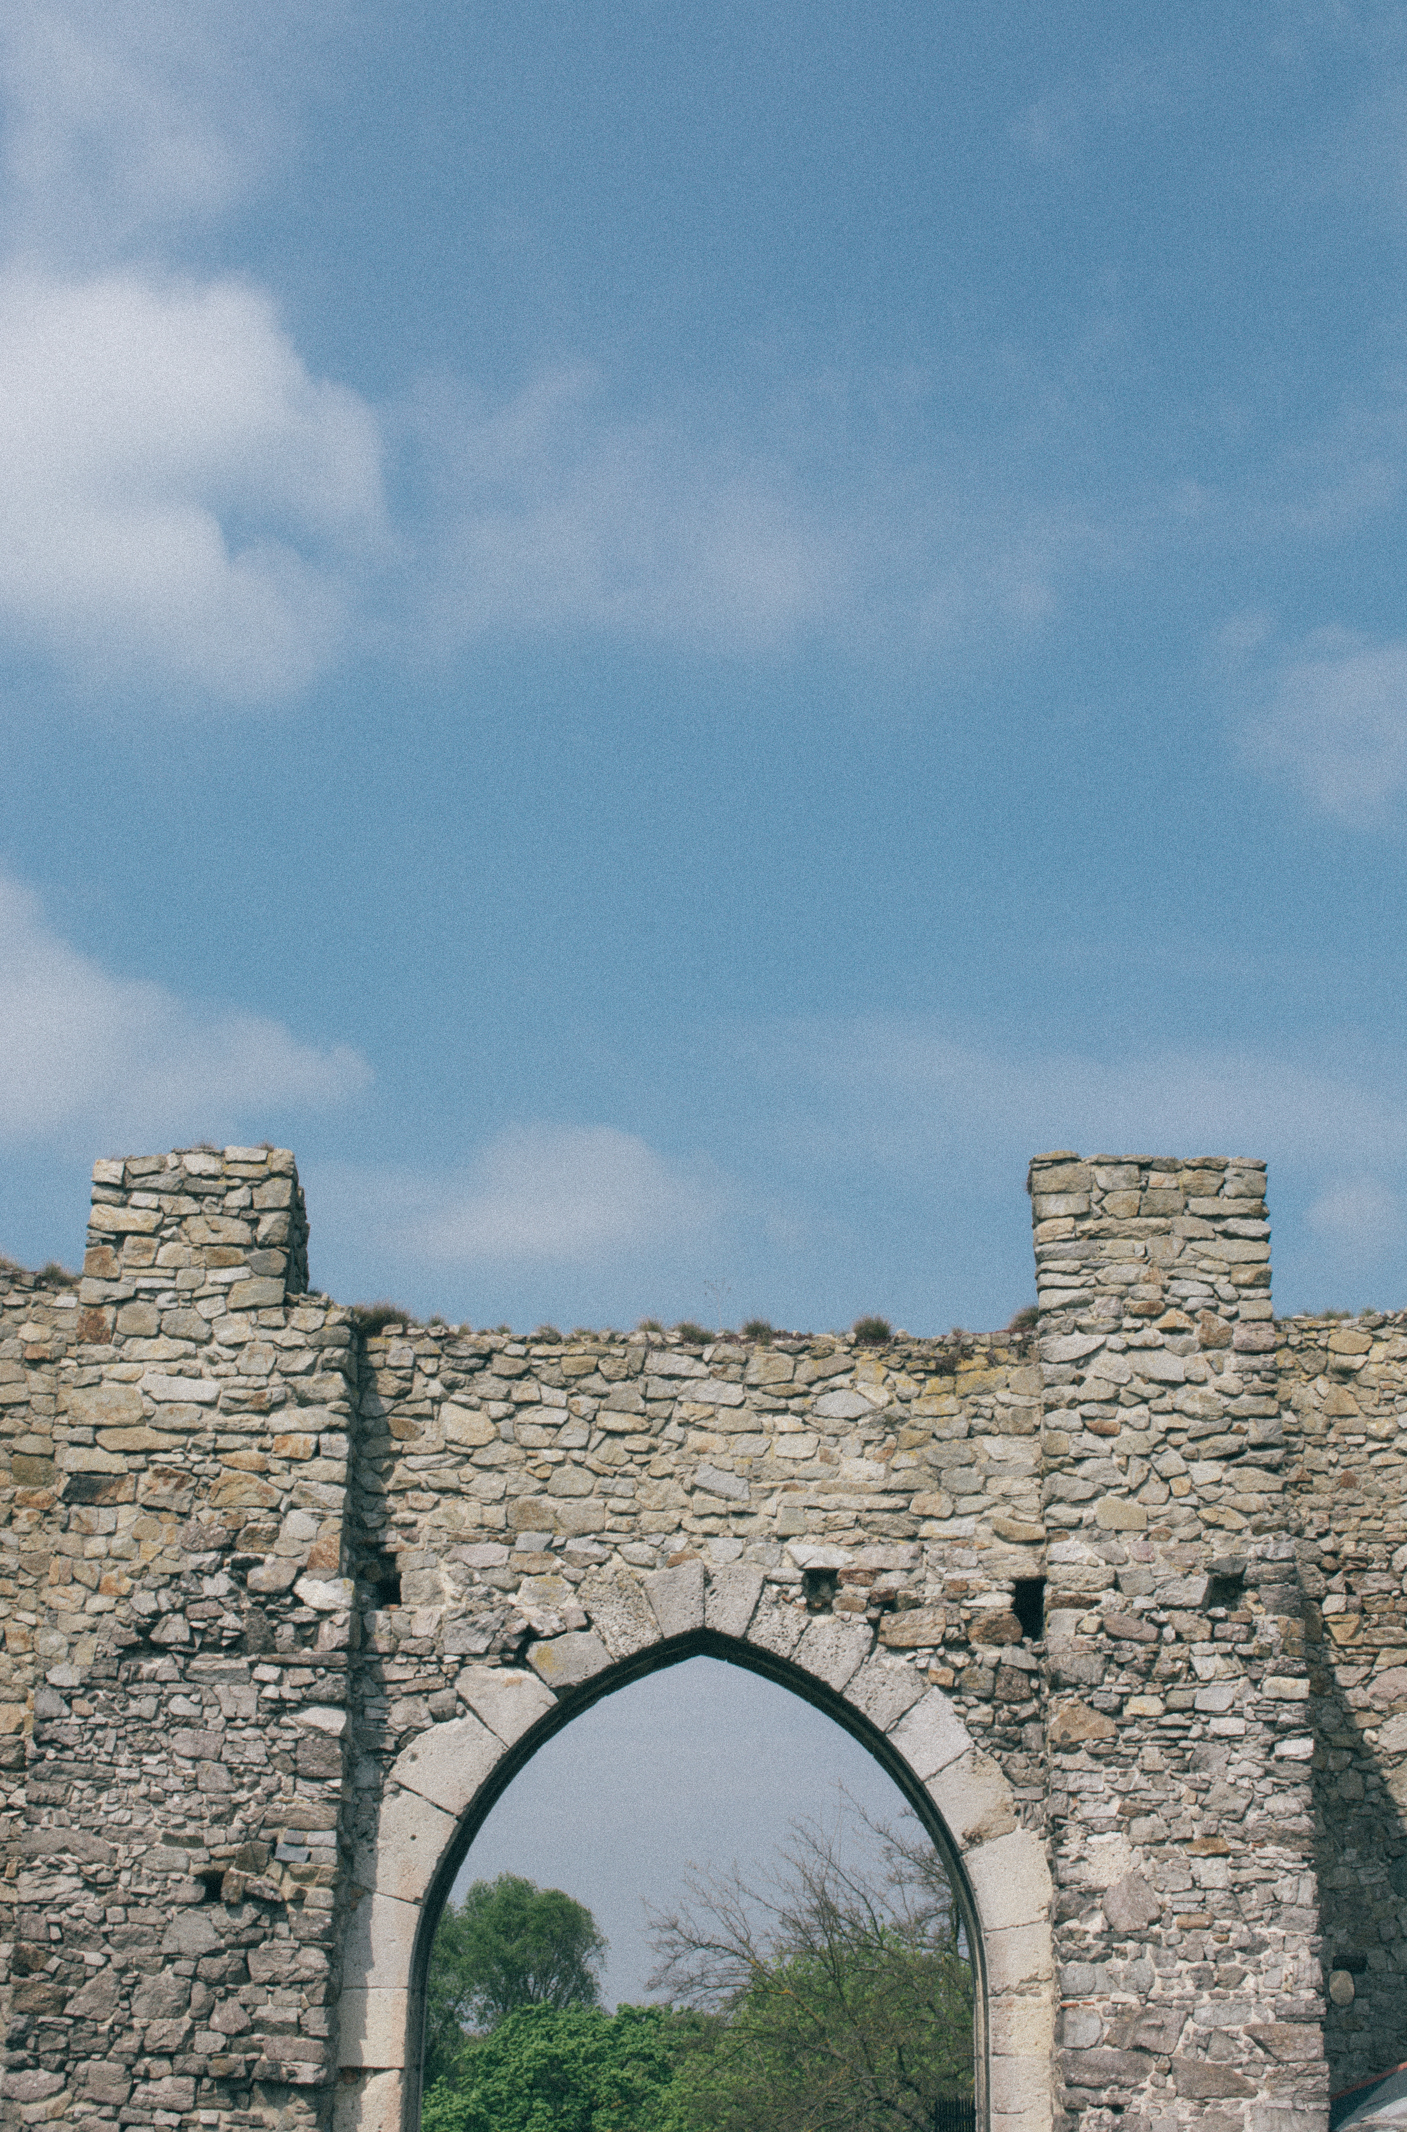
[(1361, 1861)]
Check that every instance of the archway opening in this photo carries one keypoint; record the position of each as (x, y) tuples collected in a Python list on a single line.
[(819, 1968)]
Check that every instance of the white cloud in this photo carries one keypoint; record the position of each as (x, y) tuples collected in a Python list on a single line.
[(182, 502), (1335, 724), (117, 1060), (559, 1193)]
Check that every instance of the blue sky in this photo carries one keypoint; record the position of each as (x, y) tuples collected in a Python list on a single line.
[(720, 1766), (668, 638)]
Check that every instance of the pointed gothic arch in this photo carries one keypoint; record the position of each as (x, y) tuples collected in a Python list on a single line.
[(444, 1783)]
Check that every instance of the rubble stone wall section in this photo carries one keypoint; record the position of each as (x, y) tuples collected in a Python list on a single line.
[(175, 1492)]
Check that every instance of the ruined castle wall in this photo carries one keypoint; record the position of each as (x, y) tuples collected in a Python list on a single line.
[(1344, 1386), (1179, 1775)]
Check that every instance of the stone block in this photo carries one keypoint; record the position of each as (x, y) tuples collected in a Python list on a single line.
[(262, 1293), (372, 2027), (566, 1661), (974, 1799), (931, 1735), (1019, 2084), (916, 1626), (83, 1458), (1130, 1905), (448, 1763), (1010, 1881), (832, 1649), (463, 1425), (369, 2102), (777, 1629), (1035, 2116), (1019, 1957), (102, 1406), (188, 1391), (1201, 2081), (506, 1698), (677, 1597), (412, 1836), (380, 1942), (619, 1612), (884, 1689), (731, 1597)]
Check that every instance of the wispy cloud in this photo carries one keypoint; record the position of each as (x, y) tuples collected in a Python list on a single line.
[(1334, 725), (114, 1061), (120, 116), (556, 511), (557, 1194), (900, 1092)]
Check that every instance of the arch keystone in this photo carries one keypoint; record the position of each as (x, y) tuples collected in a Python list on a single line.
[(677, 1596), (731, 1598)]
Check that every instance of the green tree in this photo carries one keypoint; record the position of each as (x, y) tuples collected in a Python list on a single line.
[(508, 1945), (843, 1996), (561, 2069)]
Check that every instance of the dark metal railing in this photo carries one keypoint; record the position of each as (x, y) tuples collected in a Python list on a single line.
[(955, 2113)]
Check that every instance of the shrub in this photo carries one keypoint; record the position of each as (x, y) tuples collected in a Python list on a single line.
[(1025, 1318), (759, 1329), (56, 1276), (371, 1318), (692, 1335), (649, 1325), (872, 1332)]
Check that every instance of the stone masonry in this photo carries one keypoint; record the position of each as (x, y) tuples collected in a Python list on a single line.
[(1118, 1599)]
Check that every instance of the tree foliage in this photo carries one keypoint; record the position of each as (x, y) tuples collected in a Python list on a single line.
[(509, 1945), (561, 2069), (837, 1998), (844, 1998)]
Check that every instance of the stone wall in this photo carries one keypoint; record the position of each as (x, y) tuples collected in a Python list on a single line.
[(1344, 1383), (271, 1584), (1179, 1774), (175, 1500)]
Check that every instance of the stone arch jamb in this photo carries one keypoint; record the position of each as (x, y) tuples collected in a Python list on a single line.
[(444, 1783)]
